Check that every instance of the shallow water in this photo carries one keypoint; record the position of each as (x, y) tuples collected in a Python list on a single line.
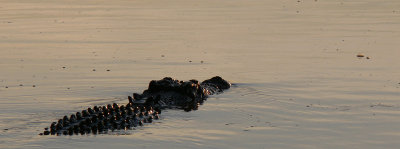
[(298, 81)]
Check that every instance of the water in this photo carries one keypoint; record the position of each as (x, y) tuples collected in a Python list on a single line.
[(298, 82)]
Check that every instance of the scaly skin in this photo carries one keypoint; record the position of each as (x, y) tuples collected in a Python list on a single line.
[(142, 108)]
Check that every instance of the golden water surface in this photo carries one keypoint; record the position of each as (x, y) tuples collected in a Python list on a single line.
[(299, 82)]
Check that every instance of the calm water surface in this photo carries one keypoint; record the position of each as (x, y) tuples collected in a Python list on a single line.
[(298, 82)]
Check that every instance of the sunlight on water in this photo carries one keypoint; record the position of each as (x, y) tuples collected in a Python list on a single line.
[(298, 82)]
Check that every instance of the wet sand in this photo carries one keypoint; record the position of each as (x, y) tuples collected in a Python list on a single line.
[(299, 82)]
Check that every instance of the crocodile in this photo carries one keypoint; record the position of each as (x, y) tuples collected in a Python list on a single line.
[(167, 93)]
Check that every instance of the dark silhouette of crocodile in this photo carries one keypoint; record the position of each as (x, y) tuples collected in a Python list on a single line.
[(142, 108)]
